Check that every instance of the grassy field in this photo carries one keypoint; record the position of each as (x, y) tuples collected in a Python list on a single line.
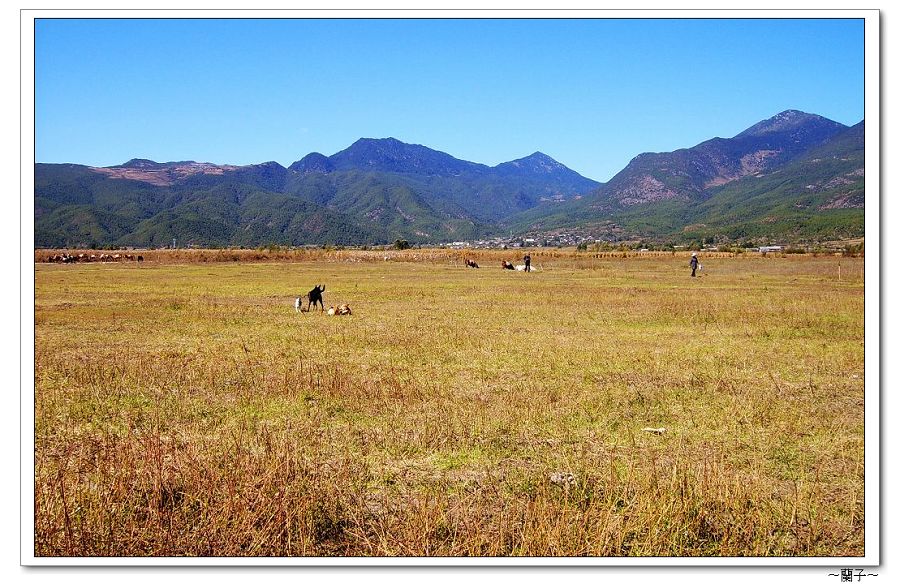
[(186, 409)]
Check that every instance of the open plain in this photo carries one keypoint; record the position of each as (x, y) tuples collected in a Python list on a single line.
[(182, 406)]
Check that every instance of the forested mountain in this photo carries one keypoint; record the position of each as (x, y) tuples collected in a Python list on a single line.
[(795, 175), (372, 192)]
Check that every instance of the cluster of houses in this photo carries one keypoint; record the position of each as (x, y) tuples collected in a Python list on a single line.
[(556, 240), (573, 240)]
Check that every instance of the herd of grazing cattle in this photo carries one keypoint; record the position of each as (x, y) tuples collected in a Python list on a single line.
[(67, 258), (313, 297)]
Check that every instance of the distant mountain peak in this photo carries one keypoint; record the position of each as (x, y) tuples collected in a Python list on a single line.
[(537, 162), (788, 121), (539, 157), (687, 174), (393, 155), (314, 162), (140, 163), (381, 143), (388, 140)]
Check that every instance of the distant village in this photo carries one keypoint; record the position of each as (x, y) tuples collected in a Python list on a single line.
[(581, 243), (578, 241)]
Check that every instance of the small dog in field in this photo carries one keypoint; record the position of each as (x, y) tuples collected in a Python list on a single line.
[(313, 297)]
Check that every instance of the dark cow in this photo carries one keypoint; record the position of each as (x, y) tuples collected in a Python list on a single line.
[(471, 263), (313, 297)]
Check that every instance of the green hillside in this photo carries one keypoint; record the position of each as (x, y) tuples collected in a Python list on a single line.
[(793, 177), (819, 196), (376, 191), (818, 193)]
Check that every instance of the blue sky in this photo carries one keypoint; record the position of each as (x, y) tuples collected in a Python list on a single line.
[(590, 93)]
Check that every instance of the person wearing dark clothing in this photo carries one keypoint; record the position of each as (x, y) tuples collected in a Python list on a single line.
[(527, 263), (694, 263)]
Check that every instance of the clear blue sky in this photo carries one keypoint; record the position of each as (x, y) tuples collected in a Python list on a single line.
[(590, 93)]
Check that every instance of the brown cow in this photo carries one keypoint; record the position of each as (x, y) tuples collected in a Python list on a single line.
[(343, 309)]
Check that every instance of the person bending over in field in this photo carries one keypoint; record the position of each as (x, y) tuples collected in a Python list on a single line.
[(694, 263)]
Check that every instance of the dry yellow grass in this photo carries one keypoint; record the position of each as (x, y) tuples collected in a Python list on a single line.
[(186, 409)]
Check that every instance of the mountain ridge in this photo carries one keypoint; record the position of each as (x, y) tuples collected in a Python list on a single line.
[(687, 173), (658, 194), (399, 190), (378, 189)]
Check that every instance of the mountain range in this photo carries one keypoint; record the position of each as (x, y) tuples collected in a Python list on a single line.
[(794, 176)]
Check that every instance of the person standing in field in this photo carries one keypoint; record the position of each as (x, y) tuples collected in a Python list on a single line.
[(527, 259), (694, 263)]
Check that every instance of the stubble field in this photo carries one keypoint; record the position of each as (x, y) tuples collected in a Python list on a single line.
[(186, 409)]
